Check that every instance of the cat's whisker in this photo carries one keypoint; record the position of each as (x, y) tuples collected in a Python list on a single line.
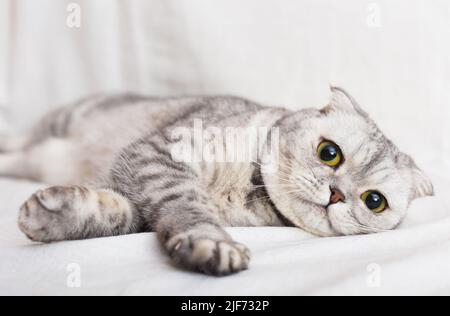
[(279, 169), (301, 177), (274, 185), (306, 165), (274, 195), (310, 168), (288, 181)]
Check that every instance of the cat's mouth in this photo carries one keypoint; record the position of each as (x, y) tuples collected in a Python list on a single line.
[(335, 225), (314, 218), (326, 211)]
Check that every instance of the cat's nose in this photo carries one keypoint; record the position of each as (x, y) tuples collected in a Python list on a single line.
[(336, 196)]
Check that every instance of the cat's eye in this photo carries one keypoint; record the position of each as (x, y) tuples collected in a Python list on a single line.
[(330, 154), (375, 201)]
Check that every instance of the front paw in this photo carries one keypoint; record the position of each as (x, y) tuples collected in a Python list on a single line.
[(50, 215), (208, 256)]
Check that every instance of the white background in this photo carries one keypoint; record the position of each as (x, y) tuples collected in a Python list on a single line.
[(393, 56)]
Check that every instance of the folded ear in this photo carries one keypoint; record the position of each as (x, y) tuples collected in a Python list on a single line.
[(421, 185), (341, 100)]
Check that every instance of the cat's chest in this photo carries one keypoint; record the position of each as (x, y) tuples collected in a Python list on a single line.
[(237, 201)]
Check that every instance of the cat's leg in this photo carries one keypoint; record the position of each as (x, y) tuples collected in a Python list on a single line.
[(14, 164), (52, 161), (195, 241), (71, 213), (10, 144), (13, 158), (172, 199)]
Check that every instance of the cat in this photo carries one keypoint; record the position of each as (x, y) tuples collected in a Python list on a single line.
[(112, 162)]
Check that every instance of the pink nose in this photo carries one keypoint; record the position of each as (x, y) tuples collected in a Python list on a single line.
[(336, 196)]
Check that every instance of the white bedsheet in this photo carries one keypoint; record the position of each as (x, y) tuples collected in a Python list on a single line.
[(415, 259)]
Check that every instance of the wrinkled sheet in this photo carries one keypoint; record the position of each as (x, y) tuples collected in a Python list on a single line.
[(415, 259)]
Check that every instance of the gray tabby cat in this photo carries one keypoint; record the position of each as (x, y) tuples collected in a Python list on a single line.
[(337, 175)]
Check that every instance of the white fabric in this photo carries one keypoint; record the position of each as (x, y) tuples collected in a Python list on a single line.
[(286, 261), (394, 56)]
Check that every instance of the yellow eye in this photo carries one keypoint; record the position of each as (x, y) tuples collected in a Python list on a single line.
[(330, 154), (375, 201)]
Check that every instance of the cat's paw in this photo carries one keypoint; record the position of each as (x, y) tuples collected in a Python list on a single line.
[(208, 256), (51, 214)]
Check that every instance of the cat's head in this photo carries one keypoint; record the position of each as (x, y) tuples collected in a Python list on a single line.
[(339, 175)]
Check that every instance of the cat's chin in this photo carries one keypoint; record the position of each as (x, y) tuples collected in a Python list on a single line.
[(322, 228), (343, 224), (310, 217)]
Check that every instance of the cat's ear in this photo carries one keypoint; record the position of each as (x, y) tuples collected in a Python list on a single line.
[(421, 184), (341, 100)]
